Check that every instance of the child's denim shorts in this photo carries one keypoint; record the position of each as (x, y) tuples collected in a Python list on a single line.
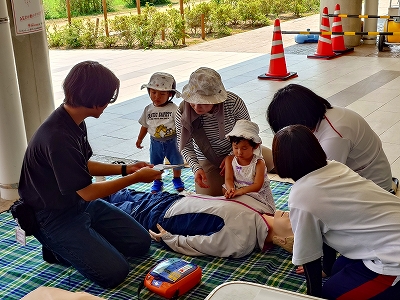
[(159, 149)]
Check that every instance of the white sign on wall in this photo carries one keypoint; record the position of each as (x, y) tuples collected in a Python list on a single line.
[(28, 16)]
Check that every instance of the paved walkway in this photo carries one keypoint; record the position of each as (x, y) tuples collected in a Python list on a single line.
[(240, 59)]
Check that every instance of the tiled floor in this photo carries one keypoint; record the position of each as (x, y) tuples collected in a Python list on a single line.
[(366, 81)]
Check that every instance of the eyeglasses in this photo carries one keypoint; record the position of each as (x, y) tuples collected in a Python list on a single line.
[(115, 96)]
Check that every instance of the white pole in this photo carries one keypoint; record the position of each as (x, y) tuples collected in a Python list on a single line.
[(12, 130), (31, 55), (347, 7), (370, 25)]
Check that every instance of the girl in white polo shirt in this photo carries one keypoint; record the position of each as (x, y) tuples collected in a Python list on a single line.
[(333, 209)]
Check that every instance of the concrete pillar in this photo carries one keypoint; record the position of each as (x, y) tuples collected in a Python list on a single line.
[(349, 7), (33, 68), (12, 131), (370, 8)]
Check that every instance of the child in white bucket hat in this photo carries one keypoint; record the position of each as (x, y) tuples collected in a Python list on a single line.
[(245, 170), (207, 113), (158, 119)]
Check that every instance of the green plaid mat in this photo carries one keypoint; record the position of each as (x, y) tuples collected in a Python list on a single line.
[(23, 270)]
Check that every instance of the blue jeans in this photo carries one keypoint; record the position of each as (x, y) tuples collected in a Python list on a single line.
[(161, 149), (93, 237)]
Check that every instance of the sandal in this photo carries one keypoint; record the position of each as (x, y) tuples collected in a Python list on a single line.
[(178, 184), (157, 186)]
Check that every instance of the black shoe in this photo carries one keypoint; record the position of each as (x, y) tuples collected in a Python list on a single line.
[(48, 256)]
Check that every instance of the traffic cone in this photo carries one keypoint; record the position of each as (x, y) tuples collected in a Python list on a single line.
[(324, 47), (338, 40), (277, 64)]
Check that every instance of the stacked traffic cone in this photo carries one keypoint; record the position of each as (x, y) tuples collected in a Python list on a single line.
[(338, 40), (324, 48), (277, 65)]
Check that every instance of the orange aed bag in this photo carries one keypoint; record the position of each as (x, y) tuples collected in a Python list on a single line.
[(172, 277)]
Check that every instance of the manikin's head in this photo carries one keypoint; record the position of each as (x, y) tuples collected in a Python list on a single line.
[(281, 232)]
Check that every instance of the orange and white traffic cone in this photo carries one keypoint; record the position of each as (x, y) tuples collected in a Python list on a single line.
[(338, 40), (277, 65), (324, 47)]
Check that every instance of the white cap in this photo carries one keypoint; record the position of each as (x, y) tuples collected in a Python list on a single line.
[(246, 129)]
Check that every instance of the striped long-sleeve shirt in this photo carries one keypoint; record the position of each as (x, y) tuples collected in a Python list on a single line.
[(234, 109)]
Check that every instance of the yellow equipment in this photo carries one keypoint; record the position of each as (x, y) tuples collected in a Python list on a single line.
[(391, 25)]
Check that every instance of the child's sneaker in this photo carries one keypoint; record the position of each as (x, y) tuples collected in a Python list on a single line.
[(157, 186), (178, 184)]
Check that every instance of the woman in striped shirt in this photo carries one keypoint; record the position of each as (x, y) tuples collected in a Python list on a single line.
[(207, 113)]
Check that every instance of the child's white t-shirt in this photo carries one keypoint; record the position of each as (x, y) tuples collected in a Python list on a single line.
[(159, 121)]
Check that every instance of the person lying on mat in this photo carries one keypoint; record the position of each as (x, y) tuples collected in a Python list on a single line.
[(344, 135), (245, 170), (75, 227), (207, 113), (333, 209), (206, 225)]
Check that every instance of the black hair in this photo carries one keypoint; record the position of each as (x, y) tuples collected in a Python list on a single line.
[(296, 152), (90, 84), (296, 104), (238, 139)]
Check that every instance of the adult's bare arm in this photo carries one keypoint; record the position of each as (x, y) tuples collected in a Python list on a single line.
[(106, 188)]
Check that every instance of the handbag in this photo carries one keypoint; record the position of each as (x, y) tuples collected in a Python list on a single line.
[(25, 217)]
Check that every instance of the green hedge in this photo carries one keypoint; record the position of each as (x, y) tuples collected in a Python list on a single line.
[(145, 30)]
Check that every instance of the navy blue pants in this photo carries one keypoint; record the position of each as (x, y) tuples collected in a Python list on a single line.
[(93, 237), (351, 279)]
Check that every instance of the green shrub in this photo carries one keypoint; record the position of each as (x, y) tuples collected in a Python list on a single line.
[(72, 34), (54, 36), (108, 41), (144, 30), (193, 17), (89, 34), (174, 26), (221, 17), (279, 7), (124, 28), (299, 7), (81, 33), (265, 7), (249, 11), (87, 7), (148, 30), (52, 10)]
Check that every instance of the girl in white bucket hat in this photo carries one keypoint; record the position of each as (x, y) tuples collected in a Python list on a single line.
[(245, 170), (207, 113)]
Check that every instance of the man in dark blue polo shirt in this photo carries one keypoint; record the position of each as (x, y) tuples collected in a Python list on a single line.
[(75, 226)]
